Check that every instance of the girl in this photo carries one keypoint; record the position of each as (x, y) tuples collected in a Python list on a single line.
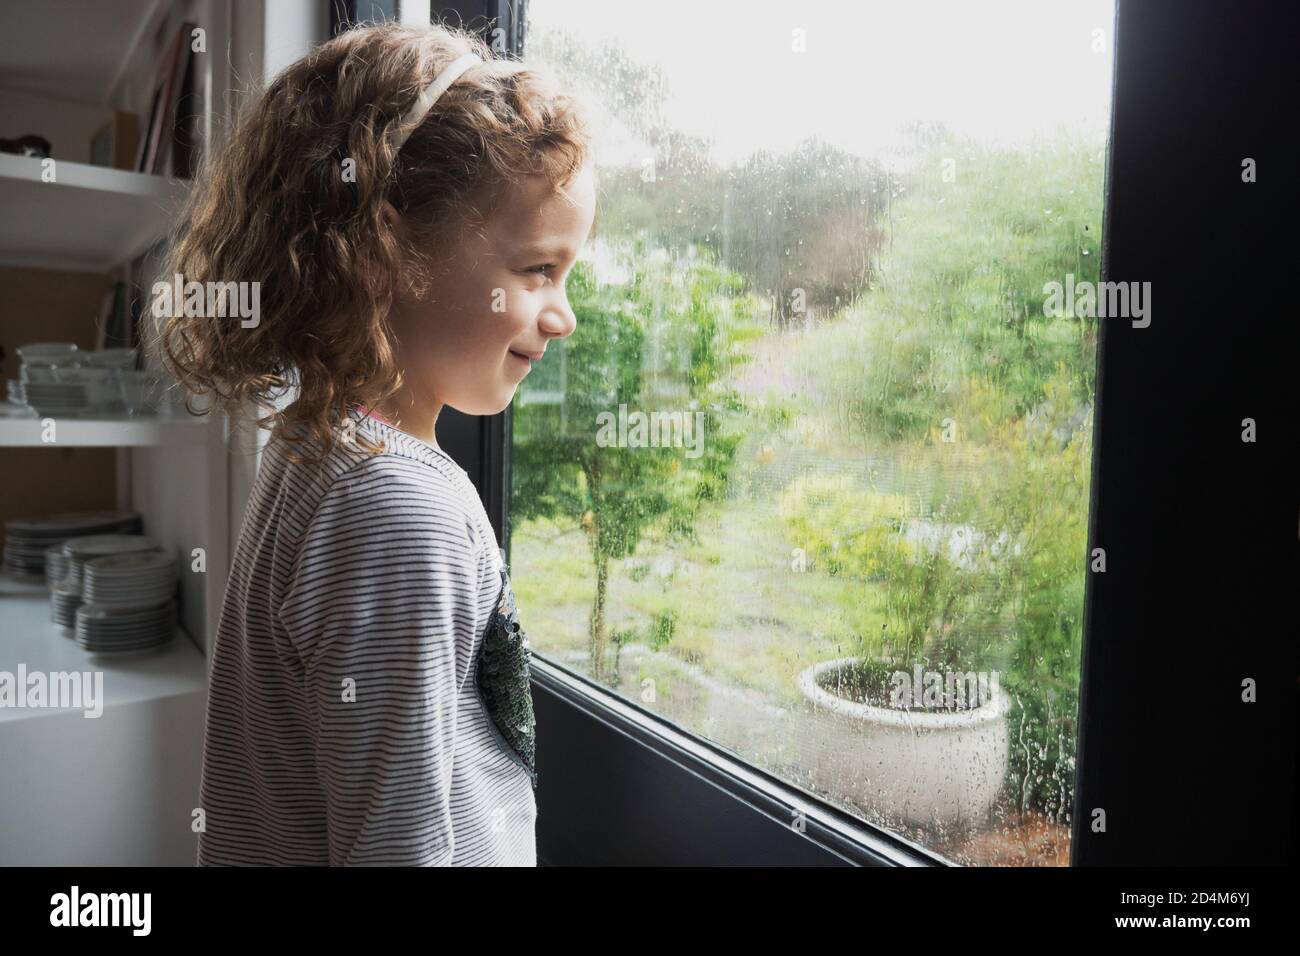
[(411, 207)]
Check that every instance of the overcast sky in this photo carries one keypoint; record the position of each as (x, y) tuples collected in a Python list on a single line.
[(999, 69)]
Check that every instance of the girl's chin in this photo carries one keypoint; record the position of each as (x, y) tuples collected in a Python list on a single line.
[(488, 407), (505, 403)]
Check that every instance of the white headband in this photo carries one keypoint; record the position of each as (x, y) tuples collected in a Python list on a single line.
[(428, 96)]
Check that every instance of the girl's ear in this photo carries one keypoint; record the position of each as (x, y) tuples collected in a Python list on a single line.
[(394, 218)]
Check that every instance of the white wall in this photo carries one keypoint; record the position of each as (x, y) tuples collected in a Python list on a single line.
[(293, 27)]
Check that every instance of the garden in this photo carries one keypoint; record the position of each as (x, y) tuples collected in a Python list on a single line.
[(894, 477)]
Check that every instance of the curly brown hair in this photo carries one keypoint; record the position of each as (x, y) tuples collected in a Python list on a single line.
[(274, 206)]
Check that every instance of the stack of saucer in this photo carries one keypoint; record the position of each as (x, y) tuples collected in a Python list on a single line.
[(64, 602), (140, 579), (15, 393), (42, 387), (127, 594), (67, 596), (56, 398), (106, 629), (57, 378), (56, 565), (28, 539)]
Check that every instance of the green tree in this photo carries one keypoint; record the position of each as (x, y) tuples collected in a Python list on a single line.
[(665, 341)]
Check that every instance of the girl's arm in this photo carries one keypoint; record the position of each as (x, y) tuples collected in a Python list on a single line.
[(382, 606)]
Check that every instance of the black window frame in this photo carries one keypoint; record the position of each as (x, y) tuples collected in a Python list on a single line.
[(622, 785)]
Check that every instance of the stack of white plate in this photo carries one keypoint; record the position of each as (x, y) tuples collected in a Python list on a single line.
[(64, 602), (56, 565), (107, 630), (55, 398), (57, 378), (143, 579), (16, 404), (66, 598), (81, 550), (28, 539)]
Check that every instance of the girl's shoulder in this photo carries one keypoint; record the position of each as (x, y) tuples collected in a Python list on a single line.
[(408, 478), (362, 440)]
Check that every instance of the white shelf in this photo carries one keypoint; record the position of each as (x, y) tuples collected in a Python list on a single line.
[(88, 220), (125, 432), (29, 637), (120, 790)]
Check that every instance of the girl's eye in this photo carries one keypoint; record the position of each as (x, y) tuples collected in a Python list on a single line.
[(540, 270)]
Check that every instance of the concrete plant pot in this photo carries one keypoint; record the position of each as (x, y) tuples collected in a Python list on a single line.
[(928, 769)]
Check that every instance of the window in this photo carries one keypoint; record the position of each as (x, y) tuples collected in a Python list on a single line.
[(810, 479)]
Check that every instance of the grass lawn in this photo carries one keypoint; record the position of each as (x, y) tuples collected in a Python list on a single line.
[(741, 612)]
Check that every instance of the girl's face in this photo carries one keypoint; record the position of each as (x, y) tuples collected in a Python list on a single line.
[(494, 307)]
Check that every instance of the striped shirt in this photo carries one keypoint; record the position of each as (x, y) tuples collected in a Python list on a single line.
[(343, 725)]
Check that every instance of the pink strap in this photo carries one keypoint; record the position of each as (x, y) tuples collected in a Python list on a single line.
[(373, 414)]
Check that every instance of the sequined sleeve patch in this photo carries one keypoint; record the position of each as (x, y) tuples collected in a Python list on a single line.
[(502, 676)]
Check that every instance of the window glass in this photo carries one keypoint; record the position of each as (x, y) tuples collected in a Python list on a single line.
[(810, 478)]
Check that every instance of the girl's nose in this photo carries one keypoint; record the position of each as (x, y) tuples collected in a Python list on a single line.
[(558, 323)]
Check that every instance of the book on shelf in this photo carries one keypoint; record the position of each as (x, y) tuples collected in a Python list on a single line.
[(187, 131), (156, 146)]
